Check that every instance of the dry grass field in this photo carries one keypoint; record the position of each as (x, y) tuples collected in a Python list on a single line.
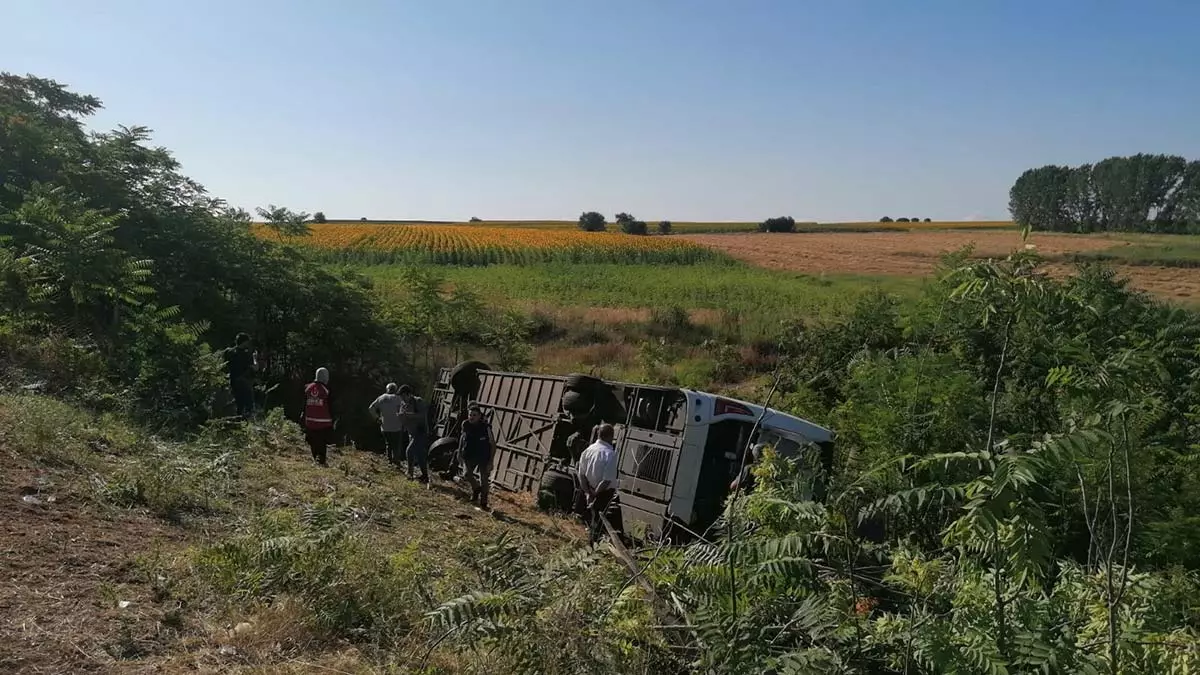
[(916, 254)]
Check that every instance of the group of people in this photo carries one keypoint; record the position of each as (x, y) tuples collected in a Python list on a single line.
[(402, 415), (404, 424)]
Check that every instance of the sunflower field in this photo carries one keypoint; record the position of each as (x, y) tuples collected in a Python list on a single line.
[(371, 244)]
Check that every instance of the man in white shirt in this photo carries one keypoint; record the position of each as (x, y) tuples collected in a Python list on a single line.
[(597, 477)]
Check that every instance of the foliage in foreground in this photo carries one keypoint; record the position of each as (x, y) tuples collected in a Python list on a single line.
[(1014, 496)]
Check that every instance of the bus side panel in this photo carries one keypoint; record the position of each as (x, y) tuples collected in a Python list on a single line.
[(441, 404), (524, 409), (646, 474)]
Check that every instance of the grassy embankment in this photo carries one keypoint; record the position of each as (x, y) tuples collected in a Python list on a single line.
[(230, 550)]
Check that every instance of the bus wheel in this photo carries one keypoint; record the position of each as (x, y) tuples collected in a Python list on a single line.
[(557, 491)]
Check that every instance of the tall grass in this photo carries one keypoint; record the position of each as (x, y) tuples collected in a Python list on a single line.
[(755, 299)]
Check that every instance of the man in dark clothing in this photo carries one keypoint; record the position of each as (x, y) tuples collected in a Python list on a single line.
[(240, 363), (414, 414), (745, 479), (475, 445), (318, 416)]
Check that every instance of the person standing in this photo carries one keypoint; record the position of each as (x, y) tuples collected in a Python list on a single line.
[(386, 410), (415, 416), (745, 479), (240, 363), (597, 478), (318, 415), (476, 446)]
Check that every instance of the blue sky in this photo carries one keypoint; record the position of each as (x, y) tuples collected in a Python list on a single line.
[(684, 109)]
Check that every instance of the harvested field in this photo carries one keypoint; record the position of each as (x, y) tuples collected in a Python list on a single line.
[(917, 253)]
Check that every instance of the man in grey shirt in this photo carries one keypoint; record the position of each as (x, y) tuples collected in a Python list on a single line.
[(387, 409)]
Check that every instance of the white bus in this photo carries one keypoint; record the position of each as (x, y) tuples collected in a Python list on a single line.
[(679, 449)]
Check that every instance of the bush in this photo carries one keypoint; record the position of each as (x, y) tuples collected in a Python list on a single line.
[(319, 217), (592, 221), (885, 219), (928, 220), (664, 227), (902, 220), (634, 227), (349, 588), (781, 224), (476, 220), (670, 321), (363, 219)]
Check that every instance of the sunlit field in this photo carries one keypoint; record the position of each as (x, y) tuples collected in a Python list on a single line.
[(473, 246), (704, 227)]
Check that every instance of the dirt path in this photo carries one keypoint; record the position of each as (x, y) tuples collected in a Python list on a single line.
[(917, 253), (67, 567)]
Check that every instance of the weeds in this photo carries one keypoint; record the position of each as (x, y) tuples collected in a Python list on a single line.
[(322, 558)]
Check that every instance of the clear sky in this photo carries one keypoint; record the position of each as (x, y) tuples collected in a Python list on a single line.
[(683, 109)]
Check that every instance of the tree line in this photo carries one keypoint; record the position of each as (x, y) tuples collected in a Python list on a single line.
[(1141, 193), (594, 221), (121, 280)]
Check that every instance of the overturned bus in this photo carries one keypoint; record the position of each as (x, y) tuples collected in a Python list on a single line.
[(678, 449)]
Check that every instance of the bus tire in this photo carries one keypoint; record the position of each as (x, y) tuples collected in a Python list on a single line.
[(584, 384), (556, 491), (576, 402), (442, 454), (464, 379)]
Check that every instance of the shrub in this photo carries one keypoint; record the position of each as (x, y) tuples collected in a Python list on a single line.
[(476, 220), (592, 221), (780, 224), (350, 588), (624, 217), (363, 219), (928, 220), (885, 219), (902, 220), (319, 217), (634, 227), (664, 227), (670, 321)]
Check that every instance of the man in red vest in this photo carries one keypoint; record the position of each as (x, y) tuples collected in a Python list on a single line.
[(318, 415)]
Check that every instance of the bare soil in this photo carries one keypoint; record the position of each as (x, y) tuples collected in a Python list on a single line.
[(917, 253), (71, 596)]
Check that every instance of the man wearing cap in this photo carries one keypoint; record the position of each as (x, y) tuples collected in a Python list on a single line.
[(386, 410), (318, 415)]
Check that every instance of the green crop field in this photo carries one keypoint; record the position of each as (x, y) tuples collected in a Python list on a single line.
[(758, 300)]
